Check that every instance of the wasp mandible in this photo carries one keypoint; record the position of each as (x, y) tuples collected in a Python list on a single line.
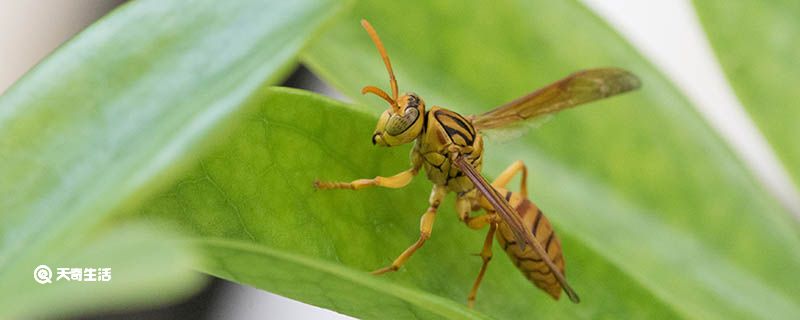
[(449, 147)]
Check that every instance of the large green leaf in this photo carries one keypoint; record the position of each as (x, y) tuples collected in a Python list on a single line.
[(109, 118), (757, 45), (639, 182), (324, 283), (258, 188)]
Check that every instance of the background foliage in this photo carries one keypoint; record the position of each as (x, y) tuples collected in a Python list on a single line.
[(756, 43)]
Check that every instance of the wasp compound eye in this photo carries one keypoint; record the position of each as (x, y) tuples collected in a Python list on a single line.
[(397, 124)]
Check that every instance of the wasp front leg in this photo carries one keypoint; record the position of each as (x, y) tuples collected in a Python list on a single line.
[(425, 227), (399, 180)]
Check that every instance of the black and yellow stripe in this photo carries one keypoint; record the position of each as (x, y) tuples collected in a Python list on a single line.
[(528, 261), (457, 127)]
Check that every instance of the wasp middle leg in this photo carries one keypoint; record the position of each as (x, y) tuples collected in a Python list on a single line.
[(425, 227), (486, 256), (465, 204)]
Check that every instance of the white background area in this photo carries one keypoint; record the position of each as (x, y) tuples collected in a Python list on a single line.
[(667, 32)]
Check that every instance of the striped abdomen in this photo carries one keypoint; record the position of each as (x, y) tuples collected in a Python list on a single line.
[(528, 261)]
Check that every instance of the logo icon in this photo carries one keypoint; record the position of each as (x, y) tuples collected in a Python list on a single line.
[(42, 274)]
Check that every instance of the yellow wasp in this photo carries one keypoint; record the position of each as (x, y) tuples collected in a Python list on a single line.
[(450, 148)]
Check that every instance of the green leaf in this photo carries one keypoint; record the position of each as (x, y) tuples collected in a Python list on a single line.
[(111, 117), (258, 188), (352, 291), (640, 181), (757, 44)]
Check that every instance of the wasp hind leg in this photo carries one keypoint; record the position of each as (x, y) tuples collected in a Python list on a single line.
[(504, 177), (486, 256), (425, 227)]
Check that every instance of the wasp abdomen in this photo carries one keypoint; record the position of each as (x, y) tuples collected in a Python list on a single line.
[(527, 260)]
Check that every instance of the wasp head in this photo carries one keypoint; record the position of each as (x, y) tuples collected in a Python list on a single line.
[(401, 123)]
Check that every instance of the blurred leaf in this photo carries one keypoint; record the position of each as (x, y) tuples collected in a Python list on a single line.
[(258, 188), (147, 268), (109, 118), (757, 45), (640, 181)]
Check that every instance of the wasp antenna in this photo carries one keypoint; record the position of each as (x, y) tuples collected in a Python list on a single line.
[(380, 93), (382, 51)]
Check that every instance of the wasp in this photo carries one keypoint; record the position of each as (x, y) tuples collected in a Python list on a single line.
[(449, 147)]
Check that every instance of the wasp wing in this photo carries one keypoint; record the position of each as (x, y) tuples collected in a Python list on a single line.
[(514, 221), (577, 88)]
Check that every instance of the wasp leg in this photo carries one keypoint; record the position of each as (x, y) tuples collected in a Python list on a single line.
[(425, 226), (486, 256), (504, 177), (396, 181), (464, 205), (476, 223)]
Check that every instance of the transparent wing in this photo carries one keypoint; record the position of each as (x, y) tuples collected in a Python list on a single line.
[(580, 87), (513, 220), (514, 130)]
